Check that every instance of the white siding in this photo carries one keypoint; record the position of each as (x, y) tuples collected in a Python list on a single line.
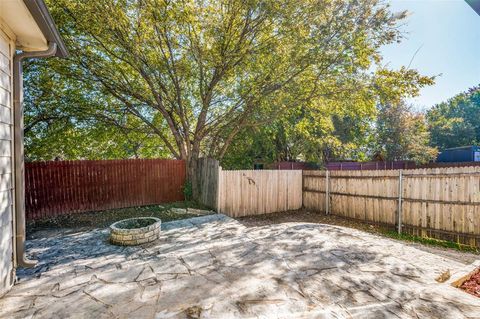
[(6, 160), (5, 148), (5, 97), (5, 130), (5, 114), (5, 45)]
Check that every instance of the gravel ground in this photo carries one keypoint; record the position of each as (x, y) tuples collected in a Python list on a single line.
[(310, 217)]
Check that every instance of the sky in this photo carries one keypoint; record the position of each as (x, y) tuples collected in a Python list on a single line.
[(446, 34)]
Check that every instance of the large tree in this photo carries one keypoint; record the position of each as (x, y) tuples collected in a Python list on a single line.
[(198, 73)]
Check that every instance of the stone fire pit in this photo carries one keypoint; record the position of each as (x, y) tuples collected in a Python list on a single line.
[(135, 231)]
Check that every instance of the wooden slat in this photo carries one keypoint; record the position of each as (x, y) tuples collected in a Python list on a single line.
[(208, 179), (441, 202), (62, 187), (254, 192)]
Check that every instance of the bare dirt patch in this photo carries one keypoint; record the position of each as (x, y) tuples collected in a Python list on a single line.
[(103, 219)]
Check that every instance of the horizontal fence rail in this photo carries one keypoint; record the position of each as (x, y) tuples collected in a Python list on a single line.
[(441, 203), (62, 187)]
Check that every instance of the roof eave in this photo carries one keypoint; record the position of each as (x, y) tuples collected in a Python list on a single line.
[(42, 17), (475, 4)]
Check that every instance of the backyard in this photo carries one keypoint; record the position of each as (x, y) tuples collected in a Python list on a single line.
[(287, 265), (239, 159)]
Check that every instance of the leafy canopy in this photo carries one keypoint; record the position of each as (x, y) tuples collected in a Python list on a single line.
[(197, 73), (70, 119), (402, 134), (456, 122), (296, 78)]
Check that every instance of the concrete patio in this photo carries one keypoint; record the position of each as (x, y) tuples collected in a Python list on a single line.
[(215, 267)]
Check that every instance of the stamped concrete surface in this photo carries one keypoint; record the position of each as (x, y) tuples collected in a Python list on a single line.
[(215, 267)]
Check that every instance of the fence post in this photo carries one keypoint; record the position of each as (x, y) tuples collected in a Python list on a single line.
[(400, 189), (219, 189), (327, 192), (303, 190)]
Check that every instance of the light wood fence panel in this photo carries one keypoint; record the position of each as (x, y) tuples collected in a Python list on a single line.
[(440, 203), (255, 192), (443, 202)]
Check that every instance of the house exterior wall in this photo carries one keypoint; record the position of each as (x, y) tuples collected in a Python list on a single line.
[(7, 49)]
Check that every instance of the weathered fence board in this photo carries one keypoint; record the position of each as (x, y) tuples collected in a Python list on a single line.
[(255, 192), (440, 202), (60, 187), (207, 175)]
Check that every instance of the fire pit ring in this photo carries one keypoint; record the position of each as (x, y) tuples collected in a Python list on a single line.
[(135, 231)]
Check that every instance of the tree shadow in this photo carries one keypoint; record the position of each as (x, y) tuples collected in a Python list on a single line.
[(217, 266)]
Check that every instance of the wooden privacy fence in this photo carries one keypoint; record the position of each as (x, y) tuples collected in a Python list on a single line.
[(255, 192), (61, 187), (441, 203)]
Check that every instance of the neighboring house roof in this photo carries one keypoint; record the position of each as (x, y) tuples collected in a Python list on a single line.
[(475, 4), (32, 25)]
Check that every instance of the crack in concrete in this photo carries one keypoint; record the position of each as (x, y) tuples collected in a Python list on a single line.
[(97, 299)]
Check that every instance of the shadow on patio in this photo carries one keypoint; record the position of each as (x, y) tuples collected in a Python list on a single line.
[(215, 267)]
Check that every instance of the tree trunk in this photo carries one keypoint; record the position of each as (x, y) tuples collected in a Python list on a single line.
[(192, 174)]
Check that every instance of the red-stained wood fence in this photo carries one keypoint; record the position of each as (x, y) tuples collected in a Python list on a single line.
[(63, 187)]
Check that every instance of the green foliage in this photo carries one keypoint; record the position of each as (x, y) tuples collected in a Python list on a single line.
[(300, 136), (456, 122), (402, 134), (71, 119), (394, 85), (187, 191), (198, 74), (430, 241), (235, 80), (346, 125)]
